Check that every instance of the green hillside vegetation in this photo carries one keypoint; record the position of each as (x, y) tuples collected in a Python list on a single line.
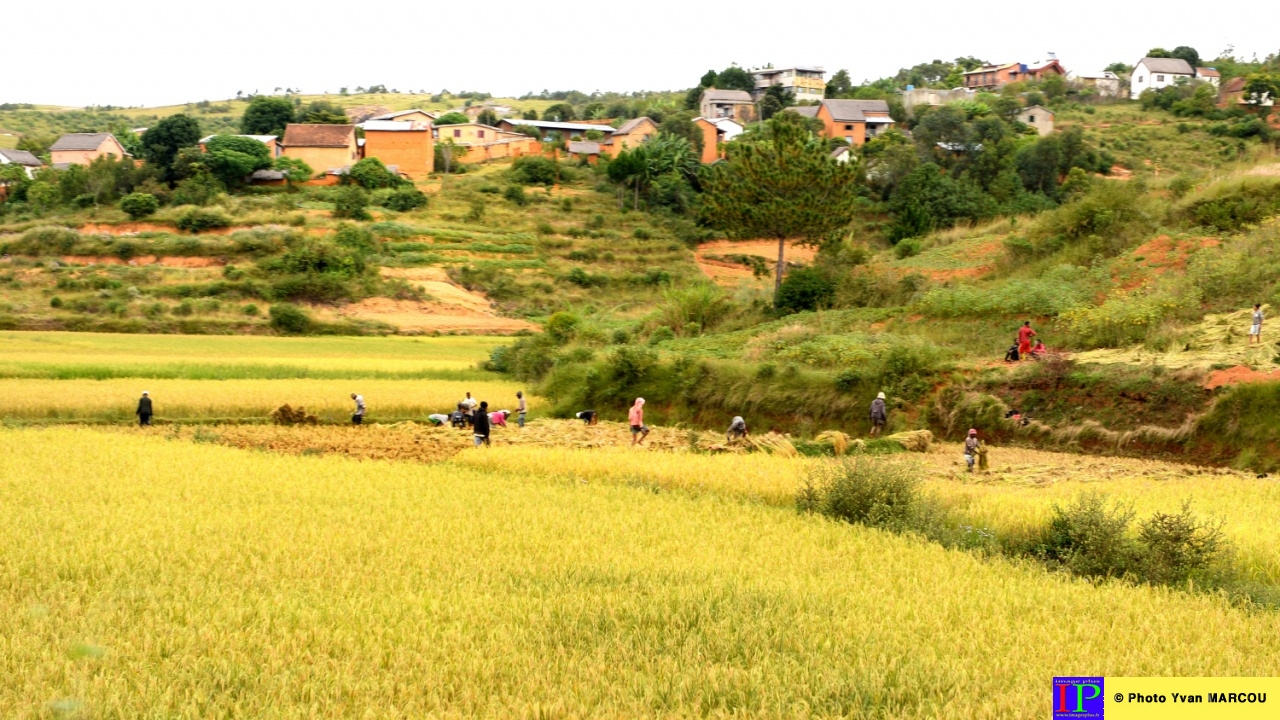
[(1138, 229)]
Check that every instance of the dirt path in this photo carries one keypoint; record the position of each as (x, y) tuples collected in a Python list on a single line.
[(450, 309), (732, 274)]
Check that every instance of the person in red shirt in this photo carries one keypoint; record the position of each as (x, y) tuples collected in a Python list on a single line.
[(639, 431), (1025, 333)]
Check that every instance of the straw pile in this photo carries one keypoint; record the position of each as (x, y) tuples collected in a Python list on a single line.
[(914, 440)]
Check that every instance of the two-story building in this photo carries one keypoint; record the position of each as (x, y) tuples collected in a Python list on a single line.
[(804, 83), (857, 121), (408, 145), (734, 104), (84, 148), (994, 77)]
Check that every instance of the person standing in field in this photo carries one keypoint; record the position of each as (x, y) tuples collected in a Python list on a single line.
[(1255, 328), (879, 415), (971, 448), (737, 429), (639, 431), (521, 409), (1025, 333), (469, 407), (144, 409), (480, 425), (358, 417)]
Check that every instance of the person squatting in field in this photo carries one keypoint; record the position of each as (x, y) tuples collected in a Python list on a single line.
[(480, 425), (358, 417), (635, 417), (737, 429), (588, 417), (144, 409), (879, 415)]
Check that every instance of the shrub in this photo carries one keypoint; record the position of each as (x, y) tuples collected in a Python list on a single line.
[(405, 199), (642, 234), (40, 240), (198, 220), (251, 310), (515, 194), (1178, 546), (371, 174), (867, 491), (355, 237), (289, 319), (661, 335), (805, 289), (1231, 205), (139, 205), (534, 170), (561, 327), (906, 248), (476, 213), (1091, 539), (350, 202)]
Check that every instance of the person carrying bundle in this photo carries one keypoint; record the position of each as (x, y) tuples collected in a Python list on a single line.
[(972, 447), (737, 429)]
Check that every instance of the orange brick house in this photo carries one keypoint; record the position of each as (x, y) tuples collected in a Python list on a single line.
[(84, 148), (323, 147), (408, 145), (631, 134), (715, 133), (993, 77), (407, 116), (854, 120)]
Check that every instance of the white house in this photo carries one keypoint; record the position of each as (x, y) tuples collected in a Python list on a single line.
[(1038, 117), (728, 127), (20, 157), (1156, 73), (1209, 75)]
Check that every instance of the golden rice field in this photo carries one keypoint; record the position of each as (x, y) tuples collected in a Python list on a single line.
[(147, 577), (243, 399)]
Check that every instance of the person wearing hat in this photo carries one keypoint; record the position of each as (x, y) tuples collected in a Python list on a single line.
[(879, 415), (639, 431), (971, 448), (144, 409)]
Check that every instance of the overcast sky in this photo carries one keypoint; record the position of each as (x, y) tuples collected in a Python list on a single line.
[(157, 52)]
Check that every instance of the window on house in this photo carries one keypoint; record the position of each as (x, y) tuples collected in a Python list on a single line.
[(1031, 118), (480, 133), (457, 133), (848, 139), (848, 127), (1159, 78)]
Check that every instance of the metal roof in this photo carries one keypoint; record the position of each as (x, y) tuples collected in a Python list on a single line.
[(81, 141), (1171, 66), (19, 157)]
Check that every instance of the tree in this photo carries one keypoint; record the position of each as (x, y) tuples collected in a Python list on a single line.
[(560, 112), (323, 112), (1055, 86), (681, 124), (776, 98), (1158, 52), (452, 118), (294, 169), (160, 144), (709, 79), (487, 117), (266, 116), (839, 85), (928, 199), (1119, 68), (785, 187), (735, 78), (527, 115), (231, 158), (350, 202), (1187, 53)]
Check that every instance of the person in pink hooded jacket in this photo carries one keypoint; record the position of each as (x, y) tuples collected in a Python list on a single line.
[(639, 431)]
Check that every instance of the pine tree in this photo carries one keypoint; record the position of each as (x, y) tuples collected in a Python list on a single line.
[(784, 186)]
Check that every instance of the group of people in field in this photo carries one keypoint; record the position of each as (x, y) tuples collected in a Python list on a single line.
[(1022, 348), (476, 415)]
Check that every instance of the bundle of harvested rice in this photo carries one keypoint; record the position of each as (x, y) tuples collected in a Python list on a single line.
[(839, 441), (914, 440), (774, 444)]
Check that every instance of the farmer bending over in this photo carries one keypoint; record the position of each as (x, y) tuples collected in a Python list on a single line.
[(737, 429)]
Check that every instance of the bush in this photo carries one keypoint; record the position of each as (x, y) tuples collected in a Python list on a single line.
[(561, 327), (371, 174), (805, 289), (906, 248), (534, 170), (355, 237), (198, 220), (350, 202), (866, 491), (515, 194), (139, 205), (289, 319), (405, 199), (1090, 539), (47, 239), (1178, 546), (1232, 205), (661, 335)]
